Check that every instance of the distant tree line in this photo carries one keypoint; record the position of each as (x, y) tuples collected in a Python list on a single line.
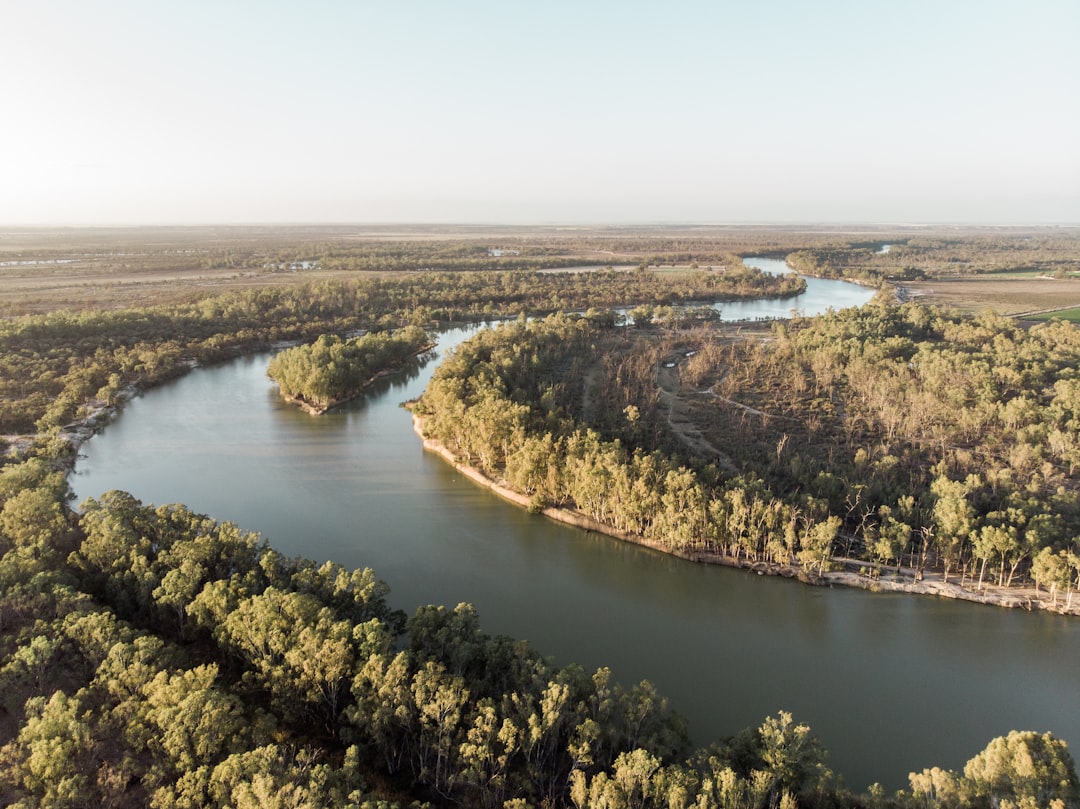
[(913, 258), (301, 251)]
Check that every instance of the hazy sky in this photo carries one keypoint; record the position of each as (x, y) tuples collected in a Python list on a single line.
[(547, 111)]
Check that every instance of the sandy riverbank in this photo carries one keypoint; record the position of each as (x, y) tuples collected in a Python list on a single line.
[(930, 584)]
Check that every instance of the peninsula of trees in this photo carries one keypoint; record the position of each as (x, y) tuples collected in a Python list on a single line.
[(895, 440), (331, 370)]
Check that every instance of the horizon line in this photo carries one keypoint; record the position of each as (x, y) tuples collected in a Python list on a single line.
[(598, 224)]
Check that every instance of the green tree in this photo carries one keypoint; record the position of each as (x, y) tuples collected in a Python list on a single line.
[(56, 743), (1052, 571), (1026, 769), (954, 518), (793, 758), (817, 543), (35, 519)]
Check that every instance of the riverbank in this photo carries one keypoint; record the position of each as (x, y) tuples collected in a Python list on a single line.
[(859, 574)]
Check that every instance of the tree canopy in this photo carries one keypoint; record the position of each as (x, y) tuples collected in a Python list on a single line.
[(152, 656), (332, 370), (889, 435)]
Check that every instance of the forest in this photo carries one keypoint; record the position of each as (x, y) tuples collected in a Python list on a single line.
[(52, 365), (332, 370), (153, 656), (888, 436)]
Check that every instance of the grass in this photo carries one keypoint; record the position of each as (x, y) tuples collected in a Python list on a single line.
[(1072, 315)]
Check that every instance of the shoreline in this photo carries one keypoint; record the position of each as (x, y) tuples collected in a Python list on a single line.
[(932, 583)]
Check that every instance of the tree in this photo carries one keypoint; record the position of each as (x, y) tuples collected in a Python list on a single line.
[(1051, 570), (994, 542), (56, 767), (953, 517), (440, 699), (1026, 768), (383, 711), (35, 519), (486, 754), (792, 756), (297, 649), (818, 541), (195, 722)]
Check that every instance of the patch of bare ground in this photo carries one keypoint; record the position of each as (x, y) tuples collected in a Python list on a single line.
[(691, 411), (677, 413), (1009, 296)]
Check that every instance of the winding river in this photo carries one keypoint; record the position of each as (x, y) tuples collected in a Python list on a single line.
[(890, 683)]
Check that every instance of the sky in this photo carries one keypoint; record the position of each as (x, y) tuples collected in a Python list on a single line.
[(228, 111)]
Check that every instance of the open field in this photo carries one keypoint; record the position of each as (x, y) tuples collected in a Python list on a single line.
[(104, 288), (1008, 296)]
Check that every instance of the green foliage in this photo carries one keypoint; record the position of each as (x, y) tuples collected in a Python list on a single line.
[(35, 520), (59, 367), (951, 438), (1071, 315), (1023, 770), (918, 257), (55, 743), (505, 403), (177, 661), (331, 370)]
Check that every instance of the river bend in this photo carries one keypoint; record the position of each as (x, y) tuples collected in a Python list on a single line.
[(890, 683)]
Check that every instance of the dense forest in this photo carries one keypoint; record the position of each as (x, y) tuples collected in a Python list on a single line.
[(332, 370), (894, 436), (941, 440), (52, 365), (152, 656)]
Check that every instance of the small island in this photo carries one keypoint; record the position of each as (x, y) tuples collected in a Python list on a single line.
[(332, 370)]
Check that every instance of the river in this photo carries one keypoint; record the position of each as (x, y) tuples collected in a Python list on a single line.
[(890, 683)]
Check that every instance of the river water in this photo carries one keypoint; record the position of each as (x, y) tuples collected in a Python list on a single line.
[(890, 683)]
